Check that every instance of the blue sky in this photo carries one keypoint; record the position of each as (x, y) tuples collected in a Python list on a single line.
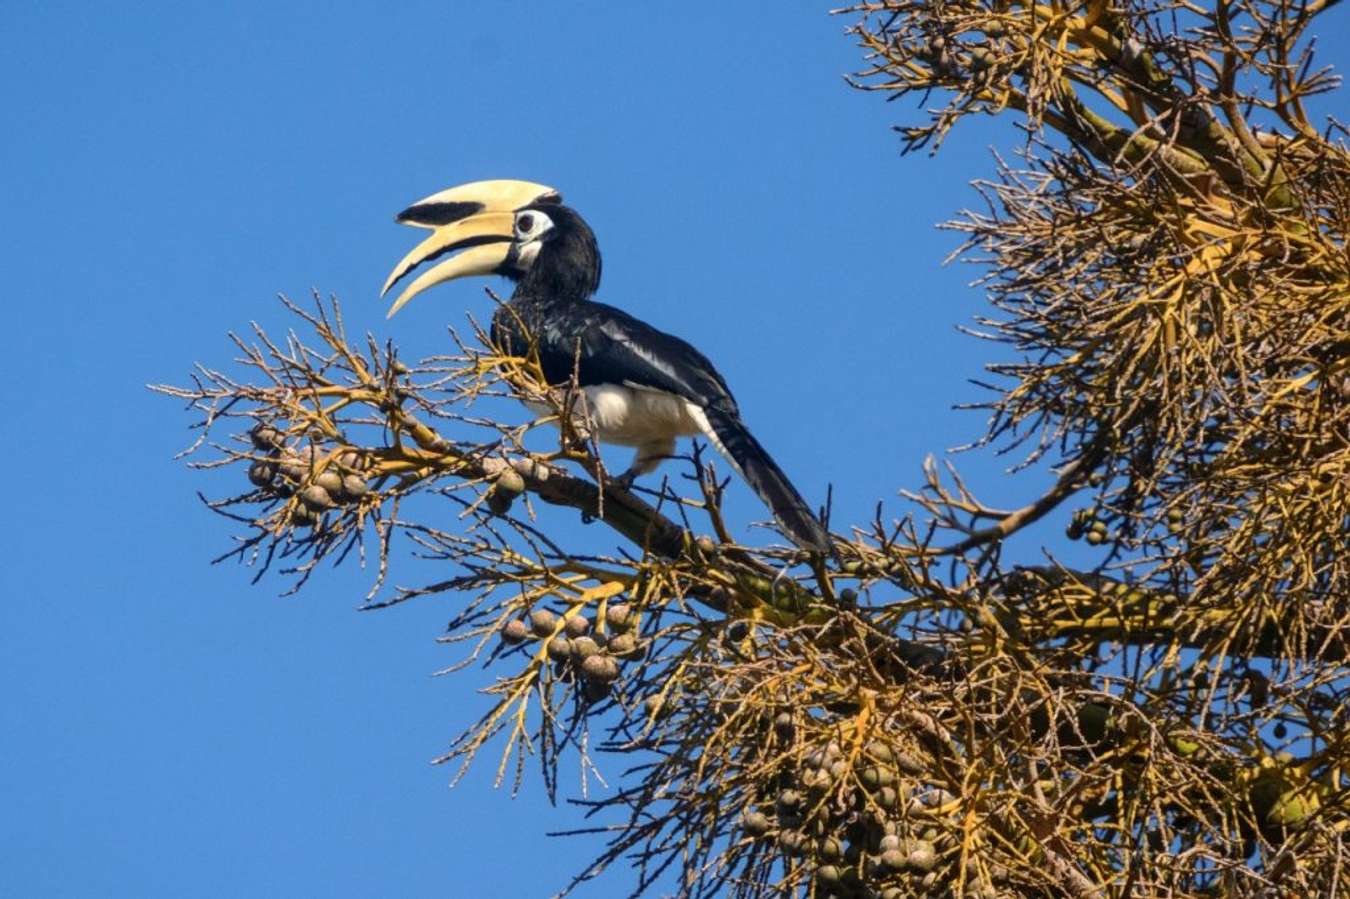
[(171, 730)]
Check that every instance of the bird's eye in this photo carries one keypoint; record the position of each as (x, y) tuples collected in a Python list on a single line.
[(525, 223)]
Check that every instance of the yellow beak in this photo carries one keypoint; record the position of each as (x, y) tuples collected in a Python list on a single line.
[(478, 218)]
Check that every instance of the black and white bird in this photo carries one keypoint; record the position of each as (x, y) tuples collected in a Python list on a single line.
[(643, 387)]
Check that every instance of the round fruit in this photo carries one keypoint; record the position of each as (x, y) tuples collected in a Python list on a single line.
[(559, 649), (265, 437), (893, 860), (329, 480), (353, 487), (260, 474), (756, 823), (619, 617), (577, 625), (515, 632), (542, 622), (584, 647), (600, 668), (510, 481), (316, 498)]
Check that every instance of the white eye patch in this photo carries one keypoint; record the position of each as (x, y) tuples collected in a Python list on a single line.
[(531, 223)]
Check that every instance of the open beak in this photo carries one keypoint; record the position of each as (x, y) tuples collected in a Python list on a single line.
[(477, 219)]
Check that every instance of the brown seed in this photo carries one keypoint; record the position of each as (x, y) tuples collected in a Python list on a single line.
[(329, 480), (515, 632), (879, 751), (756, 823), (793, 842), (510, 481), (291, 468), (600, 668), (619, 617), (577, 625), (353, 487), (265, 437), (584, 647), (922, 857), (559, 649), (893, 859), (542, 622), (261, 474), (316, 498)]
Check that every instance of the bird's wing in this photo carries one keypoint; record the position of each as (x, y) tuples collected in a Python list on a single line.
[(609, 346)]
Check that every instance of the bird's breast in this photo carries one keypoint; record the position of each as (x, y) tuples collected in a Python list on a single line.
[(633, 416)]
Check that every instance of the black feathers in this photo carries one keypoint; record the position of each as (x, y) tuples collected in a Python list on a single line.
[(767, 479)]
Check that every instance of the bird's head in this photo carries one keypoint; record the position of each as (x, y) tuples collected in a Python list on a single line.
[(516, 229)]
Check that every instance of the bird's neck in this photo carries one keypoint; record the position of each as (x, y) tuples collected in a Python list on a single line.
[(565, 272)]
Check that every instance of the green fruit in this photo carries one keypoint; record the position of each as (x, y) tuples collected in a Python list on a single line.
[(879, 750), (922, 858), (509, 482), (874, 777)]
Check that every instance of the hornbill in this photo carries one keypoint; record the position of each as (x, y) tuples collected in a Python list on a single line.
[(643, 387)]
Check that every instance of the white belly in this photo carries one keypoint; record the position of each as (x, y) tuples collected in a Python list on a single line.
[(632, 416)]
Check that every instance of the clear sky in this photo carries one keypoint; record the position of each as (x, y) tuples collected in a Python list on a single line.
[(166, 169)]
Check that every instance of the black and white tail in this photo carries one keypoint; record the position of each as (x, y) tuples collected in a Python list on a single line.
[(728, 434)]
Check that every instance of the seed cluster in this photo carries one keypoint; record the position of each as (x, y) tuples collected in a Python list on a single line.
[(303, 472), (859, 821), (592, 648)]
